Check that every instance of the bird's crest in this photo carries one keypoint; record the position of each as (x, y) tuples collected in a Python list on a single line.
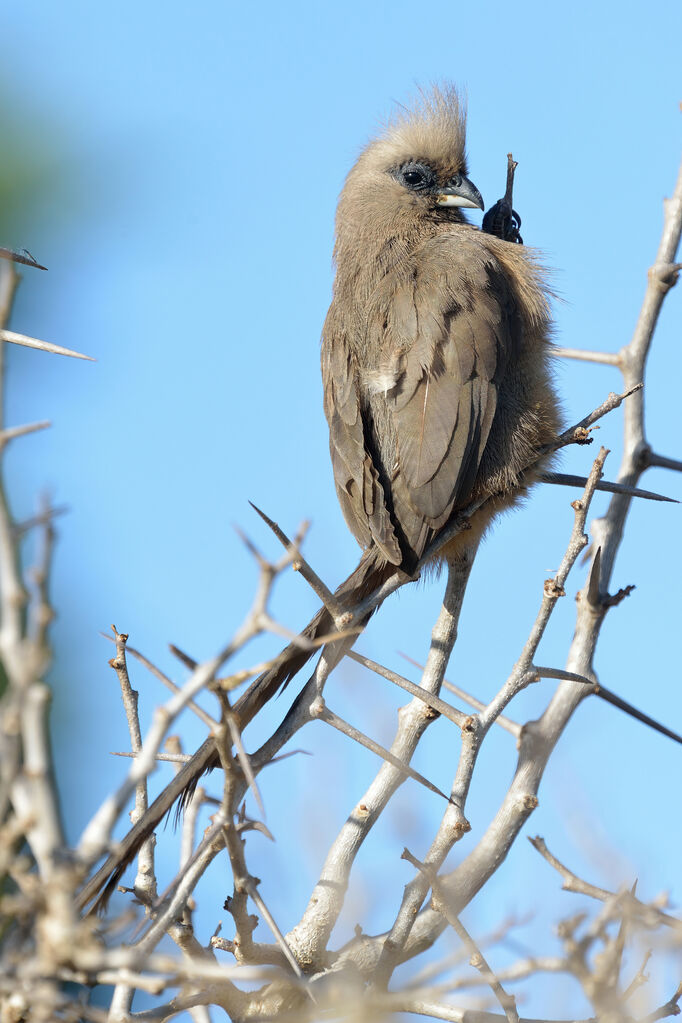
[(432, 128)]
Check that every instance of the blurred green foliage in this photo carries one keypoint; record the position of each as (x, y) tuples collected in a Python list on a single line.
[(32, 172)]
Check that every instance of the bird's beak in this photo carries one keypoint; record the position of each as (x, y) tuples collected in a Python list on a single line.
[(460, 192)]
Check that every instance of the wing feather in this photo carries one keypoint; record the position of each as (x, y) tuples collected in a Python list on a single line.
[(445, 396), (359, 489), (410, 403)]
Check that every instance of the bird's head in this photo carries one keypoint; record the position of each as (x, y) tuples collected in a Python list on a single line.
[(415, 170)]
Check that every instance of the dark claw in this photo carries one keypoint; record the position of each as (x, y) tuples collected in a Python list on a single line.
[(504, 222)]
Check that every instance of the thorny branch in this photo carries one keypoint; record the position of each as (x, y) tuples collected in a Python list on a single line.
[(48, 950)]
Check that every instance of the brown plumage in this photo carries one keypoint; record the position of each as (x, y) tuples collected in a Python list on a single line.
[(434, 363), (434, 351)]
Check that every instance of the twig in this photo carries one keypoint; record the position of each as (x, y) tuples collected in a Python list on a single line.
[(504, 722), (430, 699), (272, 924), (12, 432), (171, 758), (606, 358), (145, 882), (573, 883), (321, 712), (308, 939), (300, 564), (478, 960), (168, 683), (522, 800)]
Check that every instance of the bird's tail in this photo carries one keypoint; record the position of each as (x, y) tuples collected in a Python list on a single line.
[(371, 572), (365, 580)]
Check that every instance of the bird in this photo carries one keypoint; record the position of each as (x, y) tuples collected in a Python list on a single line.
[(435, 358), (435, 362), (436, 346)]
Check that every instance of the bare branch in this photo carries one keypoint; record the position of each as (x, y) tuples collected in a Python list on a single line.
[(564, 480), (12, 432), (435, 702), (606, 358), (320, 711), (504, 722), (477, 960), (573, 883)]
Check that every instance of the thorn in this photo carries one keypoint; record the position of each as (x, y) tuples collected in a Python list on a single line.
[(44, 346), (184, 658), (593, 598), (566, 480), (21, 256), (638, 715)]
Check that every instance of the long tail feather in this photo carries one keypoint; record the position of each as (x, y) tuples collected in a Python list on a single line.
[(367, 577)]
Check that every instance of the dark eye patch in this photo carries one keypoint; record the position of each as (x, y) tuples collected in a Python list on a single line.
[(416, 176)]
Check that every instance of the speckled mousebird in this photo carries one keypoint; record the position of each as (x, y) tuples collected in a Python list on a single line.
[(435, 368)]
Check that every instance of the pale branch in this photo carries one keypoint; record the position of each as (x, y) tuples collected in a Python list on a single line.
[(320, 712), (579, 434), (237, 904), (145, 881), (671, 1008), (504, 722), (204, 716), (300, 564), (171, 758), (477, 960), (272, 924), (173, 901), (639, 979), (653, 915), (243, 757), (309, 937), (245, 885), (33, 793), (129, 695), (12, 432), (582, 354), (608, 530), (430, 699), (96, 837), (597, 689), (41, 613), (393, 948)]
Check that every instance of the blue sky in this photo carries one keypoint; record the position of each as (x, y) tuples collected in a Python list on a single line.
[(196, 154)]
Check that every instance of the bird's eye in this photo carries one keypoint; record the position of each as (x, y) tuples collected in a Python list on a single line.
[(415, 175)]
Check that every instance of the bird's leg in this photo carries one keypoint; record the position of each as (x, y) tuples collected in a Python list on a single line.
[(444, 633), (502, 220)]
